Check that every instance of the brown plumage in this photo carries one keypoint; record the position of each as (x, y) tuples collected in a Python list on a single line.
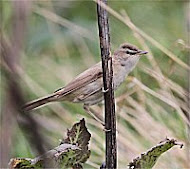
[(87, 87)]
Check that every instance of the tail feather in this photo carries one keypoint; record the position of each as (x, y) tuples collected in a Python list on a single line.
[(36, 103)]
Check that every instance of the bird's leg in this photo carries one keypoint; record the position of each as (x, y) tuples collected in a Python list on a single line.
[(87, 109)]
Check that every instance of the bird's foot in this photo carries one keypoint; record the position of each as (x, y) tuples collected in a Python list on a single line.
[(105, 91), (106, 130)]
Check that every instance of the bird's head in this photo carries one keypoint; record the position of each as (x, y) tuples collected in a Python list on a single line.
[(128, 54)]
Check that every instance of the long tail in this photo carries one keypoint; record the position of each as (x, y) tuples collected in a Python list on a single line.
[(36, 103)]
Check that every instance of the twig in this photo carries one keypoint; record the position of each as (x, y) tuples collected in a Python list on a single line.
[(110, 118), (63, 22), (161, 97)]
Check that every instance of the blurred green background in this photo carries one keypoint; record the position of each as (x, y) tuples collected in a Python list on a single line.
[(62, 40)]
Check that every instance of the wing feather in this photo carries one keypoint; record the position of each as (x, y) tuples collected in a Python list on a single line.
[(88, 76)]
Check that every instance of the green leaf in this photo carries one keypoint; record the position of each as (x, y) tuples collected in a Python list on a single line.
[(72, 152), (148, 160), (79, 135)]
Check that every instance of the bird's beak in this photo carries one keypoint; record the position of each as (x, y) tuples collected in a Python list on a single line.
[(141, 52)]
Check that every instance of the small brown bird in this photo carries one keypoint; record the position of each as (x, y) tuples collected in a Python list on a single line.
[(87, 87)]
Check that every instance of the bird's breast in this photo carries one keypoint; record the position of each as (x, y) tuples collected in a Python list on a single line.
[(119, 76), (122, 69)]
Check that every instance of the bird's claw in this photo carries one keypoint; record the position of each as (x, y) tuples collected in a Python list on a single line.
[(106, 130), (105, 91)]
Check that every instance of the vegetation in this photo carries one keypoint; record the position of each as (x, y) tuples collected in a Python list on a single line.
[(62, 40)]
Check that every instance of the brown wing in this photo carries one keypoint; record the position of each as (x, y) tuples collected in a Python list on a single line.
[(81, 80)]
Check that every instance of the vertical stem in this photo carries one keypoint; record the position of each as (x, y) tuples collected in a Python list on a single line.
[(110, 118)]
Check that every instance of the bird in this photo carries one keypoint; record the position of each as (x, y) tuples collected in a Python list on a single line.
[(87, 87)]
